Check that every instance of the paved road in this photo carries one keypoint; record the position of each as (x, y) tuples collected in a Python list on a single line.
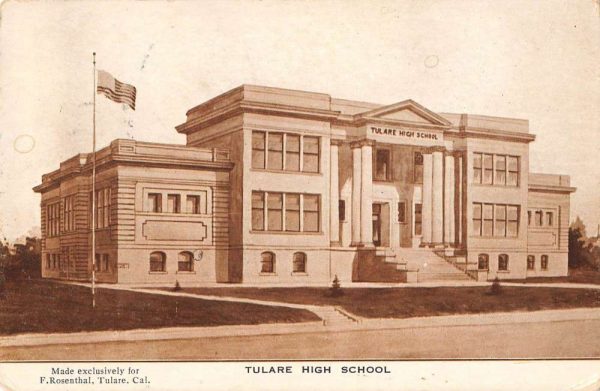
[(557, 339)]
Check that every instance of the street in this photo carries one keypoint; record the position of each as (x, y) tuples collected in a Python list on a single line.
[(555, 339)]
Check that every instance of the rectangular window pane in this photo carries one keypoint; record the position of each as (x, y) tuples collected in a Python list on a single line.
[(513, 163), (512, 179), (488, 215), (193, 204), (477, 160), (418, 165), (342, 210), (310, 158), (511, 228), (258, 212), (154, 202), (258, 150), (275, 153), (488, 165), (549, 219), (477, 227), (275, 211), (382, 164), (292, 152), (500, 170), (311, 213), (513, 212), (402, 212), (292, 212), (173, 203)]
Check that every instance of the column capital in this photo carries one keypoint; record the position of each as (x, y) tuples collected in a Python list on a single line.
[(362, 143), (436, 148), (335, 141), (458, 153)]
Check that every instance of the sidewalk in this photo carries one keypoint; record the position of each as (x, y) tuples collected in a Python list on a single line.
[(334, 320)]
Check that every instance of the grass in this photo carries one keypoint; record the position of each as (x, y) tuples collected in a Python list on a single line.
[(41, 306), (582, 275), (414, 302)]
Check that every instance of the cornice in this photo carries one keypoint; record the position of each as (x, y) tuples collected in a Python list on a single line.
[(552, 189)]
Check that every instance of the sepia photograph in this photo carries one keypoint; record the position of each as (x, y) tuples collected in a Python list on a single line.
[(297, 188)]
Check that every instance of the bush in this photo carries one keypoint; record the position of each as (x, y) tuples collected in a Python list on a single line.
[(177, 287), (496, 288), (336, 288)]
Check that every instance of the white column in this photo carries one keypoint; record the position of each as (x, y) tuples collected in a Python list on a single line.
[(334, 194), (449, 209), (356, 179), (427, 200), (459, 199), (437, 196), (366, 195)]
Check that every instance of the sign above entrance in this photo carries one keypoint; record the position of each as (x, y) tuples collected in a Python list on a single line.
[(404, 136)]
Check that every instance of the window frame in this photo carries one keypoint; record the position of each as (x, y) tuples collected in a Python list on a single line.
[(189, 261), (483, 259), (402, 215), (418, 161), (176, 203), (387, 175), (296, 261), (272, 261), (342, 210), (264, 149), (418, 223), (503, 261), (157, 202), (544, 260), (265, 209), (163, 268), (69, 213), (530, 262)]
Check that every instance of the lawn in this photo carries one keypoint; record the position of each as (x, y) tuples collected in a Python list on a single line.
[(40, 306), (413, 302), (582, 275)]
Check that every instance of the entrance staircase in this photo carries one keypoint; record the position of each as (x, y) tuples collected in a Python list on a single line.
[(408, 265)]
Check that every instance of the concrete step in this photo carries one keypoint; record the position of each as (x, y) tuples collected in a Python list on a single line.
[(458, 276)]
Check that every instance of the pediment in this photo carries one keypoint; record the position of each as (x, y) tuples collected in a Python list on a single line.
[(406, 111)]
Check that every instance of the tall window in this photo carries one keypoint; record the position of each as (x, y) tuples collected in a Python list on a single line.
[(310, 154), (48, 263), (531, 262), (539, 218), (477, 167), (258, 149), (267, 263), (158, 261), (102, 209), (192, 204), (495, 220), (418, 164), (155, 202), (488, 169), (104, 263), (53, 219), (529, 218), (418, 219), (69, 224), (173, 203), (275, 151), (311, 213), (97, 261), (500, 178), (402, 212), (512, 178), (292, 152), (549, 219), (342, 210), (292, 212), (483, 262), (544, 262), (503, 262), (185, 261), (275, 211), (382, 164), (285, 151), (299, 263), (258, 211)]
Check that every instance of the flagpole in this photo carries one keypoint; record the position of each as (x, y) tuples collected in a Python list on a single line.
[(94, 194)]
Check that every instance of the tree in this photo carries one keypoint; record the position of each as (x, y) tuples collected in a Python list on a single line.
[(579, 253)]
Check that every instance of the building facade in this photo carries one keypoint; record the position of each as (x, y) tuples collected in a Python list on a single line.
[(283, 187)]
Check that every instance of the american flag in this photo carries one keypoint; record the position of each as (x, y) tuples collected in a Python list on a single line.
[(115, 90)]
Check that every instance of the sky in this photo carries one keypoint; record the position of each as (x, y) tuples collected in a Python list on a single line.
[(536, 60)]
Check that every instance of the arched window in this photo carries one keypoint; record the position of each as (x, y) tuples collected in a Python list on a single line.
[(158, 261), (544, 262), (185, 261), (502, 262), (267, 262), (299, 263), (483, 262), (531, 262)]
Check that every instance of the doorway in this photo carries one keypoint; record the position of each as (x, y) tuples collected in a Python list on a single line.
[(377, 225), (381, 224)]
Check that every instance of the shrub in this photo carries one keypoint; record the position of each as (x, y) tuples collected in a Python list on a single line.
[(336, 288), (177, 287), (496, 288)]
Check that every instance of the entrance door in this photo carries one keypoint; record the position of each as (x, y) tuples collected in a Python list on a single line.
[(377, 225)]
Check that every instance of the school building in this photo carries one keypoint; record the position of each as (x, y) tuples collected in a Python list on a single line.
[(284, 187)]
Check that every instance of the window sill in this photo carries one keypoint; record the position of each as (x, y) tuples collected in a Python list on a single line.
[(503, 271), (286, 172), (483, 270), (497, 186), (185, 272), (157, 272), (267, 274), (299, 274), (286, 232), (493, 237)]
